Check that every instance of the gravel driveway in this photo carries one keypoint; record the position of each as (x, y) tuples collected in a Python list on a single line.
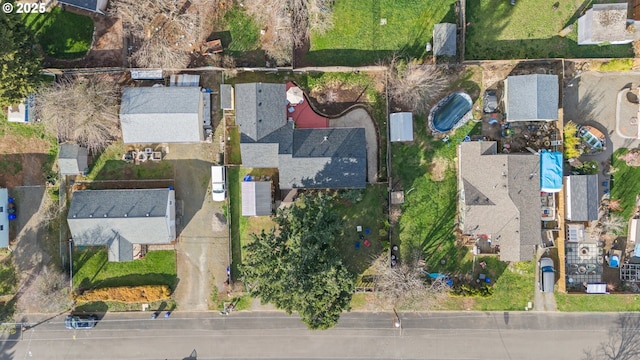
[(202, 248)]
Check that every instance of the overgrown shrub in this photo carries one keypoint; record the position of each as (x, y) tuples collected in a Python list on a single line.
[(353, 196), (571, 141), (128, 294)]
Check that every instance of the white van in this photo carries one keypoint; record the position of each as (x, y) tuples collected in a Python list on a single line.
[(218, 183)]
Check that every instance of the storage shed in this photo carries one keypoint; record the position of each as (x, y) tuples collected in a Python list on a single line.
[(401, 126), (256, 198)]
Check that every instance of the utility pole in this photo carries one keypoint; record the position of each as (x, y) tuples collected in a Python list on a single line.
[(398, 322)]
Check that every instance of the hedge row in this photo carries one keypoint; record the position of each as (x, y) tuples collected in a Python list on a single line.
[(127, 294)]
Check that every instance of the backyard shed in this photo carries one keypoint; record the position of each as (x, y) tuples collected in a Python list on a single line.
[(72, 159), (256, 198), (227, 101), (401, 126), (4, 218), (634, 230), (146, 74), (531, 97), (184, 80), (444, 39), (151, 115), (96, 6), (551, 171), (581, 197)]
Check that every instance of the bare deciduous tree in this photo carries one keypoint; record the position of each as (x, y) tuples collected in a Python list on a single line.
[(404, 285), (623, 342), (83, 111), (415, 86), (50, 291), (169, 29), (290, 22)]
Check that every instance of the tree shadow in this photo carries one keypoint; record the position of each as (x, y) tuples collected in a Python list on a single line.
[(623, 341)]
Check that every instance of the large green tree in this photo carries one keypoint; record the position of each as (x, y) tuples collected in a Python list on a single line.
[(20, 60), (297, 266)]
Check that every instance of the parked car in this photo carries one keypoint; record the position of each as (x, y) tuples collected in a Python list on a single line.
[(80, 321), (218, 183), (490, 101), (547, 275)]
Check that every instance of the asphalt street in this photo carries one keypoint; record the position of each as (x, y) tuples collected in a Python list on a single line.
[(274, 335)]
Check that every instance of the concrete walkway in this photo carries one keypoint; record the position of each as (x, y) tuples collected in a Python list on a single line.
[(360, 118)]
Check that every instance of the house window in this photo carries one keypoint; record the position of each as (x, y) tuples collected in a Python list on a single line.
[(1, 227), (1, 209)]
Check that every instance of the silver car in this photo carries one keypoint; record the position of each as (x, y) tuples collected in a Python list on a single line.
[(547, 275)]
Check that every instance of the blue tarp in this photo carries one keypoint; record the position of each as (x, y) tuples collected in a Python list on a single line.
[(551, 171)]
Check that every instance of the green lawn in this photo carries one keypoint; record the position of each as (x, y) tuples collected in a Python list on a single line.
[(110, 166), (598, 303), (512, 290), (243, 33), (8, 278), (233, 179), (429, 210), (92, 270), (62, 34), (529, 30), (626, 184), (368, 213), (358, 38)]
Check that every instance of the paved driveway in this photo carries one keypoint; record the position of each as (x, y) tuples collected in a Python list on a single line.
[(202, 248), (543, 301), (591, 99)]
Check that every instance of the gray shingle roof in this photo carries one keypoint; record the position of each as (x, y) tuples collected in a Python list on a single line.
[(581, 197), (260, 108), (259, 155), (604, 23), (119, 249), (161, 114), (4, 219), (497, 194), (97, 217), (444, 39), (332, 142), (72, 159), (226, 97), (256, 198), (532, 97), (401, 126), (91, 5)]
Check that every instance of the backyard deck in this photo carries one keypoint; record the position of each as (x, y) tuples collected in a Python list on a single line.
[(303, 114)]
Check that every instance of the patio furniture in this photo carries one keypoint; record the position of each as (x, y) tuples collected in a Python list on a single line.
[(367, 243), (357, 244), (361, 237), (367, 231), (359, 228)]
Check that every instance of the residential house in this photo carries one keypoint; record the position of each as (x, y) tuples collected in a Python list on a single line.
[(96, 6), (256, 198), (72, 159), (151, 115), (606, 23), (444, 39), (401, 126), (531, 97), (498, 194), (4, 218), (581, 197), (120, 219), (305, 158)]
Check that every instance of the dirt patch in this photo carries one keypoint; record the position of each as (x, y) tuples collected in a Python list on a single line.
[(336, 97), (19, 168), (632, 158), (438, 168), (107, 49)]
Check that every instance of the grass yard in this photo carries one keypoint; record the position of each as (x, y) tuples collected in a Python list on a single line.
[(233, 179), (529, 30), (512, 290), (61, 34), (598, 303), (110, 166), (626, 184), (369, 213), (8, 277), (427, 171), (243, 32), (92, 270), (116, 306), (359, 36)]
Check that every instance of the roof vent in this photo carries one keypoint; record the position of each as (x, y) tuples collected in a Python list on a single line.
[(105, 215), (259, 120), (260, 104), (90, 215), (147, 214), (259, 90), (324, 139), (125, 215), (74, 215)]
